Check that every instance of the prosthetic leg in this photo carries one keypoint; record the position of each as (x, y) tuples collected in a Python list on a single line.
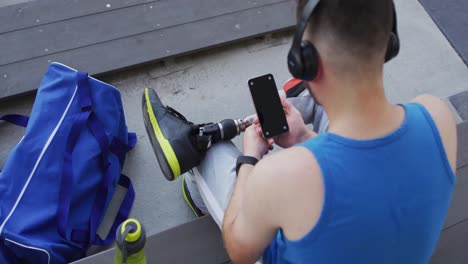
[(180, 145)]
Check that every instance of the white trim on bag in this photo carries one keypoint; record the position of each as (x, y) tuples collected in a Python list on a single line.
[(66, 66), (44, 149), (29, 247)]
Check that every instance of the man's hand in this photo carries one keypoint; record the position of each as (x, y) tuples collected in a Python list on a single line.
[(298, 131), (254, 143)]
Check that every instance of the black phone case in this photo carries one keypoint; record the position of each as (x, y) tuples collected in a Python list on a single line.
[(268, 106)]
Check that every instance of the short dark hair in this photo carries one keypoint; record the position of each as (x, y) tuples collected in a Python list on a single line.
[(360, 27)]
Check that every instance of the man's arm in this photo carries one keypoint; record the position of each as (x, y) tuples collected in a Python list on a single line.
[(266, 196), (445, 123), (247, 227), (284, 190)]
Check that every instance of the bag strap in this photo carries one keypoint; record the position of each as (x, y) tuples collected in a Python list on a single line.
[(19, 120), (65, 192), (103, 190), (99, 207), (120, 149), (87, 117), (122, 214)]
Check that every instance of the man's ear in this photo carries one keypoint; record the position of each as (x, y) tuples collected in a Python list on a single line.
[(319, 75)]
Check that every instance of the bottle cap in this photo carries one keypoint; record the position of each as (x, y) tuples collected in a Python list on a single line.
[(135, 231)]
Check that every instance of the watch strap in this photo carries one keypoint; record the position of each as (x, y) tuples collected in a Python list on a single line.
[(245, 160)]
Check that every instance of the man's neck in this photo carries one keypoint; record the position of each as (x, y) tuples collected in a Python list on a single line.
[(360, 109)]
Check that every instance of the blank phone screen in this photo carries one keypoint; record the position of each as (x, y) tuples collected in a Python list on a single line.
[(268, 106)]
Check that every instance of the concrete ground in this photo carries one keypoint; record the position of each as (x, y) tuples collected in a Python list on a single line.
[(211, 86)]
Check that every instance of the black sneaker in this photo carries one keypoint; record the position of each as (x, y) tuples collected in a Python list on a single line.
[(188, 199), (174, 139)]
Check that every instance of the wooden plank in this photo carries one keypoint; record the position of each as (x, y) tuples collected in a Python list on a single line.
[(197, 242), (4, 3), (458, 211), (450, 17), (107, 26), (104, 57), (462, 152), (452, 246), (38, 13)]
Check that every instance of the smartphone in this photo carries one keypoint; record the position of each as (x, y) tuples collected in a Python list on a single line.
[(268, 106)]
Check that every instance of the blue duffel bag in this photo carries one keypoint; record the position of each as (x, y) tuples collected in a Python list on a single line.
[(57, 183)]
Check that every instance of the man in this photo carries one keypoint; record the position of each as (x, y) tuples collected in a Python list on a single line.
[(375, 188)]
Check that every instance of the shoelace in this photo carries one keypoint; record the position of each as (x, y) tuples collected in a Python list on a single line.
[(175, 113), (201, 142)]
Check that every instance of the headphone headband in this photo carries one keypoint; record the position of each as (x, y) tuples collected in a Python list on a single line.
[(301, 27)]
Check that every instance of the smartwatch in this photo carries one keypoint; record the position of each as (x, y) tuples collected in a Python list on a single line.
[(245, 160)]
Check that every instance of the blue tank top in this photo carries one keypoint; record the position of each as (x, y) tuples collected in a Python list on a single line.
[(386, 199)]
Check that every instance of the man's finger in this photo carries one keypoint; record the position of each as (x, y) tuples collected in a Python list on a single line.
[(256, 121), (259, 131), (285, 103), (275, 139), (271, 141)]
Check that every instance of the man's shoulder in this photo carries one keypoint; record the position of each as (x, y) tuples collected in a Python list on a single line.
[(443, 119), (433, 104), (294, 162), (296, 187)]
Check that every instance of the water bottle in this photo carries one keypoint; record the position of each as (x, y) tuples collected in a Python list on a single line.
[(130, 240)]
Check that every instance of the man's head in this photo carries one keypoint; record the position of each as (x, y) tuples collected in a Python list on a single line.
[(351, 36), (359, 29)]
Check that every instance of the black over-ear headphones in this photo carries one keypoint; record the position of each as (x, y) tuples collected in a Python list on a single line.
[(303, 58)]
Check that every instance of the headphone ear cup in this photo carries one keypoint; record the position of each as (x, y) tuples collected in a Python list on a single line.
[(393, 47), (310, 59), (295, 64)]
